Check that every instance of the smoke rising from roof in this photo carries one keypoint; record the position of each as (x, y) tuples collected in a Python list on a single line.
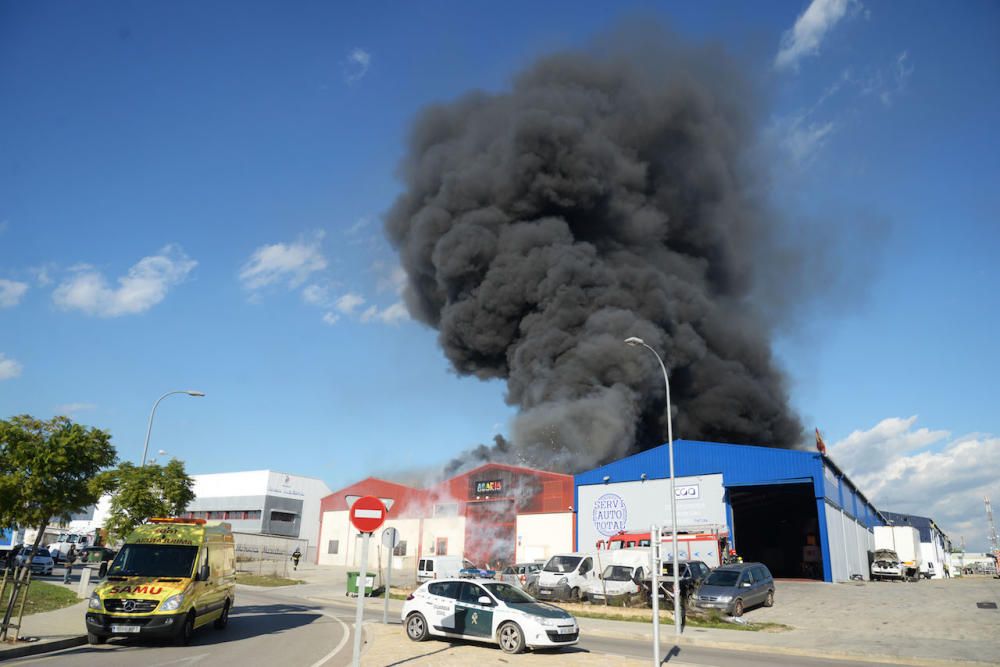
[(607, 194)]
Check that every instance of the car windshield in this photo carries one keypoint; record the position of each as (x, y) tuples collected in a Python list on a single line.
[(153, 560), (723, 578), (509, 594), (668, 569), (562, 563), (618, 573)]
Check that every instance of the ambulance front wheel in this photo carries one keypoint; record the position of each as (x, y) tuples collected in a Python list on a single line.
[(183, 637)]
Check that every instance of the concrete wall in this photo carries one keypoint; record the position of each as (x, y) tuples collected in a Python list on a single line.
[(540, 536), (336, 527), (451, 528)]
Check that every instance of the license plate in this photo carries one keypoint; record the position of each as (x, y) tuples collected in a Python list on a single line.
[(125, 628), (566, 631), (545, 591)]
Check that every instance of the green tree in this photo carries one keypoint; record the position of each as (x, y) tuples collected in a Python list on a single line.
[(143, 492), (48, 469)]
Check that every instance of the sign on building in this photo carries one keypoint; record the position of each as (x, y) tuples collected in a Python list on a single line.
[(607, 509)]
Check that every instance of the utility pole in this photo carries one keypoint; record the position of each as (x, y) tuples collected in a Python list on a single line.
[(994, 541)]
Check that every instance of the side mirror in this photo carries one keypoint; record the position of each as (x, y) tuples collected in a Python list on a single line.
[(600, 576), (203, 573), (745, 584), (485, 601)]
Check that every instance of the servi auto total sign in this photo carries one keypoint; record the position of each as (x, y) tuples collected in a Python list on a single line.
[(607, 509)]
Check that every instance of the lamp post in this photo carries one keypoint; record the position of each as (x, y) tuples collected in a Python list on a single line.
[(633, 341), (149, 428)]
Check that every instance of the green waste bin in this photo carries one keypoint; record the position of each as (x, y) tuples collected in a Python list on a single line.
[(352, 583)]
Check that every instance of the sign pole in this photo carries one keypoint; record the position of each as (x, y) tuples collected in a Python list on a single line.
[(362, 581), (388, 587), (654, 570)]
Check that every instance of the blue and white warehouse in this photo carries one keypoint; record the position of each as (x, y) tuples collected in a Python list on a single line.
[(792, 510)]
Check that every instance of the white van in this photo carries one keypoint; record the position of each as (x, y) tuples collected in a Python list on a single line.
[(566, 576), (440, 567), (621, 568)]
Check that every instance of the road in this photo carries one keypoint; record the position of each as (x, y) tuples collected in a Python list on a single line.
[(275, 628)]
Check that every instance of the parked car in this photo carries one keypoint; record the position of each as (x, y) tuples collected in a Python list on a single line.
[(42, 563), (565, 577), (489, 611), (522, 575), (441, 567), (735, 588), (617, 582), (693, 573)]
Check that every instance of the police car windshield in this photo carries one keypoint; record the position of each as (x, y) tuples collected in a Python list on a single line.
[(154, 560), (562, 563), (509, 594)]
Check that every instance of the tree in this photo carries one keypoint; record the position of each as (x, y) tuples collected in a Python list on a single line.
[(143, 492), (48, 469)]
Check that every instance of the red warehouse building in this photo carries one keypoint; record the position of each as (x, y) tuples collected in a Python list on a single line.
[(494, 513)]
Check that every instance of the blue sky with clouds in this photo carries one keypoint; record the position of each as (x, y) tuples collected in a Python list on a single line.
[(190, 197)]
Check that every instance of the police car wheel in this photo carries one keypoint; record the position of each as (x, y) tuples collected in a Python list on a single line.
[(511, 638), (416, 627)]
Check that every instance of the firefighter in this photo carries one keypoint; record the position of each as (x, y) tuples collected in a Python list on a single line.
[(296, 555)]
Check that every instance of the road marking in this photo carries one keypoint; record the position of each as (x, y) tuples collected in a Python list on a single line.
[(184, 661), (336, 649)]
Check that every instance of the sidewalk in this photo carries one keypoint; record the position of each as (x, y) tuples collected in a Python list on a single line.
[(51, 630)]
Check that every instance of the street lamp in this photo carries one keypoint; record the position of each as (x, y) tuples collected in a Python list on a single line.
[(149, 428), (633, 341)]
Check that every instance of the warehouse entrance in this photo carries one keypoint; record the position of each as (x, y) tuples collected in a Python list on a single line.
[(776, 524)]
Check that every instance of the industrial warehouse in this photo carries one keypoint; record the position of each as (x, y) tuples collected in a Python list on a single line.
[(793, 510), (494, 513)]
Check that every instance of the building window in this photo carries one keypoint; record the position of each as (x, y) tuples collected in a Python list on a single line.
[(333, 546), (442, 546), (282, 516), (399, 549), (216, 515), (252, 514)]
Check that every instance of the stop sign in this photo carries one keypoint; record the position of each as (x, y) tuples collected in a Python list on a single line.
[(367, 514)]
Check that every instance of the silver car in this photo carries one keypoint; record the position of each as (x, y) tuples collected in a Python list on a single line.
[(522, 575), (42, 563), (734, 588)]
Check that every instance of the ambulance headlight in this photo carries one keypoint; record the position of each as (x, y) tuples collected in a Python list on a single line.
[(94, 602), (172, 603)]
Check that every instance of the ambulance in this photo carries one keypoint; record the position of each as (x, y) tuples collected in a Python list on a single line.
[(170, 577)]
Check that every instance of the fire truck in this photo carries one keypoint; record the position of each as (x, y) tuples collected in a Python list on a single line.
[(708, 546)]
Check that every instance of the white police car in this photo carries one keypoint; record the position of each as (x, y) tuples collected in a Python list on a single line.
[(486, 610)]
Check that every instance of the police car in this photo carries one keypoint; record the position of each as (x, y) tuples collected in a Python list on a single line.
[(489, 611)]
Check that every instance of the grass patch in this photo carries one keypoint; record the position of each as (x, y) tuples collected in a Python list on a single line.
[(711, 619), (265, 580), (47, 597)]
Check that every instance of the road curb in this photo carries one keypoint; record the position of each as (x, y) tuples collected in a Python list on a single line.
[(41, 647), (801, 652)]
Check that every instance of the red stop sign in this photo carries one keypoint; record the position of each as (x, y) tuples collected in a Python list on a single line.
[(367, 514)]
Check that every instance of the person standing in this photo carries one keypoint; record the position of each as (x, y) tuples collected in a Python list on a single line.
[(296, 555), (70, 557)]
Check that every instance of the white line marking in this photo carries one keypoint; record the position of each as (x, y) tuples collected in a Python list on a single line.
[(336, 649), (368, 514)]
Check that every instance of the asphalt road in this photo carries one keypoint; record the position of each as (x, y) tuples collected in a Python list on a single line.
[(273, 628), (264, 629), (680, 656)]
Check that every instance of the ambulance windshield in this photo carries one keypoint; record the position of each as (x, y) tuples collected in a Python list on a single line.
[(153, 560)]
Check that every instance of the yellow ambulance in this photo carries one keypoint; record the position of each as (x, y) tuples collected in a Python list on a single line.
[(170, 577)]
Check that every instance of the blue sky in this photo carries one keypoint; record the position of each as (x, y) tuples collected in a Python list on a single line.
[(190, 197)]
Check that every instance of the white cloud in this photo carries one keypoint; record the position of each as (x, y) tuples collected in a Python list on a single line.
[(288, 263), (393, 314), (809, 30), (42, 275), (920, 471), (358, 225), (70, 409), (11, 292), (358, 61), (803, 140), (145, 285), (330, 318), (316, 295), (349, 302), (9, 368)]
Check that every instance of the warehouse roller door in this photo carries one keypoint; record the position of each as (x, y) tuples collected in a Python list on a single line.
[(776, 524)]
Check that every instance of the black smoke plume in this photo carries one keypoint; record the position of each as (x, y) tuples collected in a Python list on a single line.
[(607, 194)]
